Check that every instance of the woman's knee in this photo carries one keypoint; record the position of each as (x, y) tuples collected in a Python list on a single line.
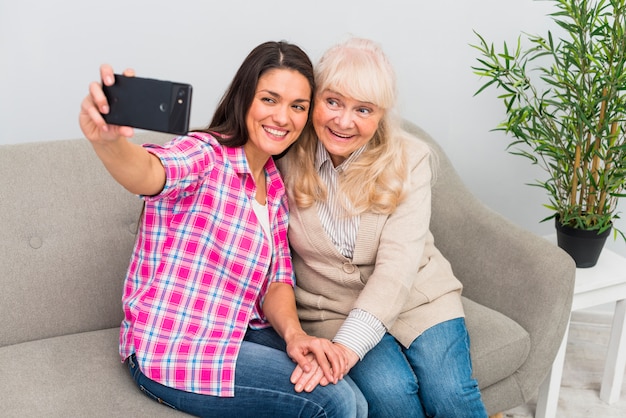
[(458, 399), (341, 400), (361, 402), (389, 394)]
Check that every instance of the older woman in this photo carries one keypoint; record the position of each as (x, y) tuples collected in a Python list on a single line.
[(369, 275)]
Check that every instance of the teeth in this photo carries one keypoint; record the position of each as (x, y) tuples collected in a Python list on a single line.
[(340, 135), (276, 132)]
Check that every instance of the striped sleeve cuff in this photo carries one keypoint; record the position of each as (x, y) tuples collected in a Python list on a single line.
[(360, 332)]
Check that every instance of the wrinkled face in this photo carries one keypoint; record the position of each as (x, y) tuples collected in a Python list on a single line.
[(278, 112), (344, 124)]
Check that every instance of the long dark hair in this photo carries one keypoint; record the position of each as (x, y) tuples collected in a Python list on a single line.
[(229, 119)]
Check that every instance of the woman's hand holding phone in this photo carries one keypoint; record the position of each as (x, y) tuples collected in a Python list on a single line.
[(130, 164), (95, 104)]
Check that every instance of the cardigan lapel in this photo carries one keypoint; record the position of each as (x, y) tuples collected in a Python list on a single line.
[(366, 241), (367, 238), (316, 235)]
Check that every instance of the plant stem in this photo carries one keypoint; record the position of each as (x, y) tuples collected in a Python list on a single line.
[(592, 198), (572, 196), (607, 166)]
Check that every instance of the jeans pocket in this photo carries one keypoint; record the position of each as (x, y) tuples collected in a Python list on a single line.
[(139, 377), (132, 367), (154, 397)]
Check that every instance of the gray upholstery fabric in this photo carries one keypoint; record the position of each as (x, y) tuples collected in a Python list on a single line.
[(65, 241), (66, 236), (77, 375), (498, 345)]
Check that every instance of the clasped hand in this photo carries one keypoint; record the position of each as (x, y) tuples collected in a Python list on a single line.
[(319, 362)]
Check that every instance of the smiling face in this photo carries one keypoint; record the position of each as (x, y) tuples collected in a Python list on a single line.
[(278, 113), (344, 124)]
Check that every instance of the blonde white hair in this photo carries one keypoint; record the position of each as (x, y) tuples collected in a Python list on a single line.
[(356, 68)]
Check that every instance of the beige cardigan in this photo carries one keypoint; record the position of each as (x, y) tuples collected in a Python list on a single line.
[(396, 273)]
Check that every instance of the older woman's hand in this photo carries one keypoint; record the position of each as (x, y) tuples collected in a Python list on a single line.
[(317, 359), (309, 379)]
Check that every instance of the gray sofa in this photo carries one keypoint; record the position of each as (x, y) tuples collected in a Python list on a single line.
[(65, 240)]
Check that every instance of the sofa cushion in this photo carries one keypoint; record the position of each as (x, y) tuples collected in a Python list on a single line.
[(498, 345), (78, 375), (81, 374), (67, 247), (67, 234)]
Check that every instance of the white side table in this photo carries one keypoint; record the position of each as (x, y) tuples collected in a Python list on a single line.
[(604, 283)]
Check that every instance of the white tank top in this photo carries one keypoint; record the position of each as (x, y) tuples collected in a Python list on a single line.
[(263, 216)]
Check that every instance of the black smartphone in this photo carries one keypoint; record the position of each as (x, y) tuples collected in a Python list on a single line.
[(150, 104)]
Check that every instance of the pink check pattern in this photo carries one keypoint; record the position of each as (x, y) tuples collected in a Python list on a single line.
[(201, 266)]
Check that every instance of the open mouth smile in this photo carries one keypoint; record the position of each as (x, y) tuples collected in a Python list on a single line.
[(339, 135), (280, 133)]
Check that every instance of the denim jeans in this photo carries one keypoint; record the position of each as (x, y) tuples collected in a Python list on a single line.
[(432, 378), (268, 337), (262, 389)]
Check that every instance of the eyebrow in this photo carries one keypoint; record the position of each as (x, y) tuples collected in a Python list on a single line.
[(273, 93), (365, 102)]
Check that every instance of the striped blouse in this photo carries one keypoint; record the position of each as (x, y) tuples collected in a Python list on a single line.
[(361, 331)]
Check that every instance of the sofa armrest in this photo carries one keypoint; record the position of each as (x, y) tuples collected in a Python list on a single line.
[(502, 266), (510, 270)]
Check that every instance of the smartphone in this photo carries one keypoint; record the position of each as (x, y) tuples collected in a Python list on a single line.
[(150, 104)]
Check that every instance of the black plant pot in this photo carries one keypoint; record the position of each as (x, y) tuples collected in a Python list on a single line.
[(582, 245)]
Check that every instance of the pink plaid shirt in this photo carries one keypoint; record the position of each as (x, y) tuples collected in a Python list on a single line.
[(201, 266)]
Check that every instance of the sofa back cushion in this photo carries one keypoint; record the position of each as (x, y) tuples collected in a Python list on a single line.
[(66, 235)]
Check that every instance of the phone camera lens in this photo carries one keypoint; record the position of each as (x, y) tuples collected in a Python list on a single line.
[(181, 93)]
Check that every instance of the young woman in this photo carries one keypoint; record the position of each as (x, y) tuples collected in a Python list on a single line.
[(369, 275), (211, 258)]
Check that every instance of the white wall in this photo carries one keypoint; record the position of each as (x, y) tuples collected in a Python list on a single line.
[(50, 52)]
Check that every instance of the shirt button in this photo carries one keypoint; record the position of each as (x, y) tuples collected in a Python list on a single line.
[(348, 267)]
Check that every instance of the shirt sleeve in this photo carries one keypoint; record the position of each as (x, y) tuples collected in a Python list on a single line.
[(360, 332), (186, 161)]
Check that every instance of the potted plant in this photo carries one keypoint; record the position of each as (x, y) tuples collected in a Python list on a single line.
[(566, 111)]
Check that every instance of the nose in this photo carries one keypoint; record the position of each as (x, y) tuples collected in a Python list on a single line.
[(281, 115), (344, 119)]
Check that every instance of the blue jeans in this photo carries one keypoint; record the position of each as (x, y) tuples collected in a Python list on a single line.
[(432, 378), (262, 389), (268, 337)]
